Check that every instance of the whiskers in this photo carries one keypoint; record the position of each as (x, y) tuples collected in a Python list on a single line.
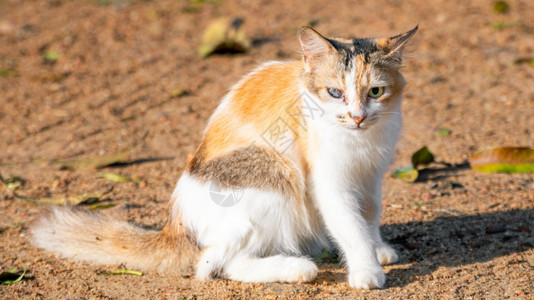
[(406, 123), (394, 124), (391, 113)]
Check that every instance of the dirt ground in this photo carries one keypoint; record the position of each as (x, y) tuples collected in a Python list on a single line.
[(111, 84)]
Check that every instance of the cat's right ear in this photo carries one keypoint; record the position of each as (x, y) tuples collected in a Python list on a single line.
[(314, 47)]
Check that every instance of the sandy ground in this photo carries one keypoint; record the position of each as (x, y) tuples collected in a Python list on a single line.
[(460, 234)]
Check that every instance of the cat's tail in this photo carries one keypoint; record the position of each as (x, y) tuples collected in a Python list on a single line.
[(96, 238)]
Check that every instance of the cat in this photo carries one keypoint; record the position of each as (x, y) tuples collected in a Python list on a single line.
[(291, 162)]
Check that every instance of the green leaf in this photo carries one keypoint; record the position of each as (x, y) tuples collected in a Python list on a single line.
[(8, 185), (117, 177), (12, 182), (422, 157), (7, 72), (501, 7), (51, 55), (13, 186), (529, 61), (503, 160), (224, 35), (408, 174), (11, 276), (119, 272), (86, 163), (326, 257), (322, 257), (443, 132), (502, 25)]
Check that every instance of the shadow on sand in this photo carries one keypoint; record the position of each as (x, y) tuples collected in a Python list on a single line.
[(459, 240), (140, 161), (452, 242)]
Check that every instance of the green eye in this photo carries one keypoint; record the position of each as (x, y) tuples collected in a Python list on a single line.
[(376, 92)]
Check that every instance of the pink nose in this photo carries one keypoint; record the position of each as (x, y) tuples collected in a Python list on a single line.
[(359, 120)]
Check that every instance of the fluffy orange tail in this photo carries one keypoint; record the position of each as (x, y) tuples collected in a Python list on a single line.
[(96, 238)]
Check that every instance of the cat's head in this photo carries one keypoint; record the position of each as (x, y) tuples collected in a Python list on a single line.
[(356, 80)]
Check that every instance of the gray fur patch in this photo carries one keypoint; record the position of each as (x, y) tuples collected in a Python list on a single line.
[(250, 167)]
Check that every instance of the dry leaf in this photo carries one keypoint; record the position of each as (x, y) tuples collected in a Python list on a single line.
[(86, 163), (117, 177), (176, 93), (503, 160), (119, 272), (88, 198), (97, 206), (224, 35)]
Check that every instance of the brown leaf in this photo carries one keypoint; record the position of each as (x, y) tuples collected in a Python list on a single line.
[(224, 35)]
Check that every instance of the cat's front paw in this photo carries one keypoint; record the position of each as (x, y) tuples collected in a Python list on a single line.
[(386, 255), (298, 270), (368, 278)]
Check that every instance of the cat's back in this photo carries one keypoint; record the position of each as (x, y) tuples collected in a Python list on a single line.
[(267, 89), (252, 106)]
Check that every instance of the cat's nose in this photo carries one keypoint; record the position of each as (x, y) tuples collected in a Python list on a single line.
[(359, 119)]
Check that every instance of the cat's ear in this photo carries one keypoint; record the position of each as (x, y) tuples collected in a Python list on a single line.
[(314, 46), (394, 46)]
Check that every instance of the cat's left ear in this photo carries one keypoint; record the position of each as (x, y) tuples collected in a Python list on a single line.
[(314, 47), (394, 46)]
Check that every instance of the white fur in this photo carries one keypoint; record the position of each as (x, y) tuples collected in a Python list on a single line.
[(347, 188), (261, 224)]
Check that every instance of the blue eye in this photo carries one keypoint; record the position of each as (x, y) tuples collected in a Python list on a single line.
[(335, 93)]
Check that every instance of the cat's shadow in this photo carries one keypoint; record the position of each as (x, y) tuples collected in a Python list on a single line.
[(452, 242)]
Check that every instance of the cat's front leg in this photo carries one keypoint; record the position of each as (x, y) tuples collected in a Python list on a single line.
[(343, 218), (372, 210)]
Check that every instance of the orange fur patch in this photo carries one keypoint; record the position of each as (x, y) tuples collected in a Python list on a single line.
[(254, 107)]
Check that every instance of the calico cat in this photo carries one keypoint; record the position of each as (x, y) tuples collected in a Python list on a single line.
[(300, 149)]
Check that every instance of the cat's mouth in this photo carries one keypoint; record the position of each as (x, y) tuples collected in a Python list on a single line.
[(359, 128), (350, 123)]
